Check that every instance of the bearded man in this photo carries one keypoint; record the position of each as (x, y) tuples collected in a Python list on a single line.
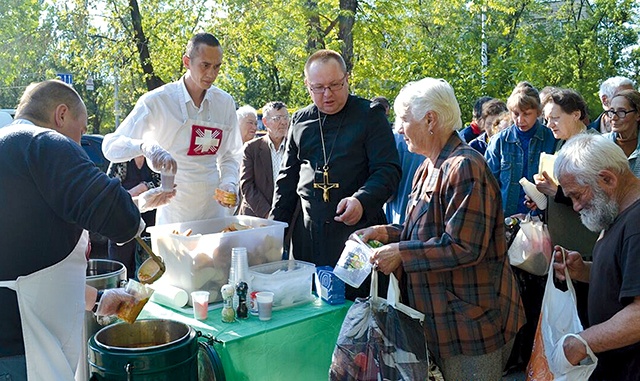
[(594, 172)]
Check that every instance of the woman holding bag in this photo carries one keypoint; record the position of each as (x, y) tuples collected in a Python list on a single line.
[(450, 254), (564, 110)]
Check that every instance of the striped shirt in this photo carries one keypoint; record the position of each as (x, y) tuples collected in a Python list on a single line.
[(276, 157)]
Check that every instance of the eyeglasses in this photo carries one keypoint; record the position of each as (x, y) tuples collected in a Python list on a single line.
[(319, 89), (620, 113), (278, 118)]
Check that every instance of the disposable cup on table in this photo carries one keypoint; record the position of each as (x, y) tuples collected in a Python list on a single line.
[(200, 304), (265, 304)]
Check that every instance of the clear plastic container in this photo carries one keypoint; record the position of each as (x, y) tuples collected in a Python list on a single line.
[(290, 281), (202, 260), (129, 311)]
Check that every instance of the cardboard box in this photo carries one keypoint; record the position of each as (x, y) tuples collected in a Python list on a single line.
[(328, 286), (201, 261)]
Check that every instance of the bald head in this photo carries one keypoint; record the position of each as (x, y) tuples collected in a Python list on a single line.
[(40, 100), (54, 104)]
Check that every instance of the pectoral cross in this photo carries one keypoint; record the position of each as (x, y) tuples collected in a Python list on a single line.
[(325, 185)]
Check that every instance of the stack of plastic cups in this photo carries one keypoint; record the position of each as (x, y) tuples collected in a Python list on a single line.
[(239, 270), (239, 265)]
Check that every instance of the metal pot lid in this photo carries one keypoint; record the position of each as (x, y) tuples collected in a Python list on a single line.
[(209, 363)]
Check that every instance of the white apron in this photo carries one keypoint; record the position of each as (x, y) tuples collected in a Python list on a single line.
[(51, 303), (194, 146)]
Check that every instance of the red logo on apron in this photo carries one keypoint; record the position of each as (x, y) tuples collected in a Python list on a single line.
[(204, 140)]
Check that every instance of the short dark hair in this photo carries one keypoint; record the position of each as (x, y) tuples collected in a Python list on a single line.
[(39, 101), (200, 39), (477, 106), (492, 107), (381, 101), (272, 106), (569, 101)]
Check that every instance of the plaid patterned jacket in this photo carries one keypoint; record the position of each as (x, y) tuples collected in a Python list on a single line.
[(454, 262)]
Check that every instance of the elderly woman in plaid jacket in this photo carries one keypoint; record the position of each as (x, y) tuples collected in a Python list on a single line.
[(450, 254)]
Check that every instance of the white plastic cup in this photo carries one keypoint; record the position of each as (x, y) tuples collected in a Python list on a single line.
[(265, 304), (167, 179), (200, 301)]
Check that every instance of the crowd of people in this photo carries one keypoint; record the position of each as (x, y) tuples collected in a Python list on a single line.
[(331, 169)]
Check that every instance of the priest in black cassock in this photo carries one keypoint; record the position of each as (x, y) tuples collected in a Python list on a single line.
[(340, 163)]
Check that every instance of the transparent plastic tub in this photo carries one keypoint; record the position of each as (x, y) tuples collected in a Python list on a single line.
[(201, 260), (290, 281)]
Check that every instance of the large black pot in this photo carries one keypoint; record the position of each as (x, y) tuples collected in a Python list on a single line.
[(146, 350)]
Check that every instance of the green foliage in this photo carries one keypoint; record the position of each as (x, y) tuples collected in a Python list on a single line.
[(23, 41), (570, 43)]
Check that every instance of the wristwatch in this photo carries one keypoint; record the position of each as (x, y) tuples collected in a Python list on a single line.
[(98, 297)]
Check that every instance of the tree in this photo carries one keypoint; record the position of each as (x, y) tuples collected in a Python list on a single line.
[(24, 40), (142, 43), (570, 43)]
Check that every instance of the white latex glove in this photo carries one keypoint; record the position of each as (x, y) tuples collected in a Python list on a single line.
[(153, 198), (231, 188), (111, 300), (159, 158)]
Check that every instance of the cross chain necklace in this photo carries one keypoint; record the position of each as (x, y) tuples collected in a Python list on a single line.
[(325, 185)]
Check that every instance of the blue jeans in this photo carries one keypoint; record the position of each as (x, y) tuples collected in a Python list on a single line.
[(13, 368)]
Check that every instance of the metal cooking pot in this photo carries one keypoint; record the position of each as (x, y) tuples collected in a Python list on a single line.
[(101, 274), (143, 335), (147, 350)]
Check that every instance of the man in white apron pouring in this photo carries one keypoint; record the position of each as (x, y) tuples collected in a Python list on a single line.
[(190, 123), (50, 193)]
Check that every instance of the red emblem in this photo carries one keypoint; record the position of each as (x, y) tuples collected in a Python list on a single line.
[(204, 140)]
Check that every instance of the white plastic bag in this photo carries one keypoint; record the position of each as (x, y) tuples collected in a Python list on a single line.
[(531, 248), (558, 320)]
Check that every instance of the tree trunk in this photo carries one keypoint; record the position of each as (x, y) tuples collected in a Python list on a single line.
[(151, 79), (315, 35), (345, 32)]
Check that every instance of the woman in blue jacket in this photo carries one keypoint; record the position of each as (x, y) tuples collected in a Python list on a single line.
[(515, 152)]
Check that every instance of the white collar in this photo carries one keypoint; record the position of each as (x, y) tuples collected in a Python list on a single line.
[(22, 121), (187, 96), (273, 146)]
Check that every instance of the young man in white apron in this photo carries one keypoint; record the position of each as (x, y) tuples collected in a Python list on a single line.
[(189, 123)]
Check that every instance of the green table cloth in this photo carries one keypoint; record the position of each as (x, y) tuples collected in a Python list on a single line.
[(296, 344)]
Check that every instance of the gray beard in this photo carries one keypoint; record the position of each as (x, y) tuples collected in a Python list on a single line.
[(601, 213)]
